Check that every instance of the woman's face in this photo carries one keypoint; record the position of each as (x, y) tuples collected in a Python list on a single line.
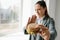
[(40, 10)]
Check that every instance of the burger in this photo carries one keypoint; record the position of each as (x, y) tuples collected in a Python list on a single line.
[(31, 29)]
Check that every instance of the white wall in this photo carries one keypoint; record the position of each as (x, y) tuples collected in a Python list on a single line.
[(57, 17), (51, 7)]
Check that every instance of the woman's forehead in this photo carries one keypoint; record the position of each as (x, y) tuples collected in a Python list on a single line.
[(37, 6)]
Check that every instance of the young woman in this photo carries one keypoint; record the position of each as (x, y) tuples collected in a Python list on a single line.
[(44, 20)]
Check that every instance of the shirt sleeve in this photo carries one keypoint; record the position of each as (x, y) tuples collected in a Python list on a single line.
[(52, 30)]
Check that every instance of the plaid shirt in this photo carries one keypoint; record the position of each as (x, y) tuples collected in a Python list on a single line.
[(48, 22)]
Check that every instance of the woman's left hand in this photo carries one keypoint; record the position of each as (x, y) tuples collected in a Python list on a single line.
[(45, 35), (44, 32)]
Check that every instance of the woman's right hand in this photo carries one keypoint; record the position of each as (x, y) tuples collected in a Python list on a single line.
[(29, 20), (32, 20)]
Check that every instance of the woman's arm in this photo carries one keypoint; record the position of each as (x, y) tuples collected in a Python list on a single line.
[(30, 20), (52, 30)]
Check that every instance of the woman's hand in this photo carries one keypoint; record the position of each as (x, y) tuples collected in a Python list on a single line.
[(31, 20), (44, 32)]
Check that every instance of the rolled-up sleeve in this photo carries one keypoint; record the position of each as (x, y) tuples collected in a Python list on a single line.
[(52, 30)]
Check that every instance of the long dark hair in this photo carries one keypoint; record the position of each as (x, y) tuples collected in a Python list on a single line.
[(43, 4)]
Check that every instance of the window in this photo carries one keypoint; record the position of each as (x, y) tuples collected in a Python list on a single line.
[(10, 15)]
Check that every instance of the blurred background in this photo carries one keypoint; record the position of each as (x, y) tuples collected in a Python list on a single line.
[(14, 15)]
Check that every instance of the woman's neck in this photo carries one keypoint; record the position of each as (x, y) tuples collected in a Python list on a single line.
[(41, 16)]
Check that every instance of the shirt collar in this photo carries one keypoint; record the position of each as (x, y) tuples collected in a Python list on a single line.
[(41, 18)]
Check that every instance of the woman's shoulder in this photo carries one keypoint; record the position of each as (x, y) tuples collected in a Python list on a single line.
[(51, 19), (46, 18)]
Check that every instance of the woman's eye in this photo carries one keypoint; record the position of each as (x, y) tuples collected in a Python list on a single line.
[(39, 9)]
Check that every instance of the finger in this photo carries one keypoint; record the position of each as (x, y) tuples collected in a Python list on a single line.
[(29, 20), (43, 34), (33, 17)]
